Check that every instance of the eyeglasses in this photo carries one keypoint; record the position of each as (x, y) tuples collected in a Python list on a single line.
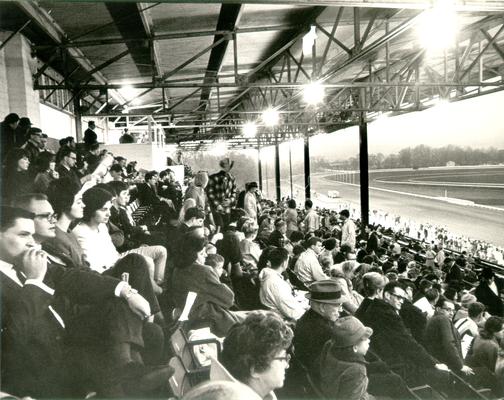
[(398, 296), (285, 358), (51, 217), (73, 158)]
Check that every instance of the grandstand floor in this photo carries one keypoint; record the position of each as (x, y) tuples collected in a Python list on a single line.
[(475, 222)]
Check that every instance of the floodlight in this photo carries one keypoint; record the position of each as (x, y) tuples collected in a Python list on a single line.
[(309, 40), (270, 117), (437, 26), (129, 93), (313, 93), (249, 129)]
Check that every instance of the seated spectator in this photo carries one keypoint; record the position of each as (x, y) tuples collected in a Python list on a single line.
[(250, 250), (423, 286), (148, 196), (96, 243), (442, 340), (352, 299), (46, 172), (214, 300), (255, 352), (308, 268), (468, 327), (35, 359), (343, 372), (325, 307), (33, 145), (488, 292), (427, 303), (277, 237), (485, 347), (221, 390), (16, 180), (395, 345), (342, 254), (465, 301), (373, 284), (116, 172), (276, 293), (414, 319), (65, 169), (66, 199)]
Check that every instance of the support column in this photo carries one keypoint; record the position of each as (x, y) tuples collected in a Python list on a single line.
[(78, 120), (307, 166), (364, 171), (259, 166), (277, 170), (290, 172)]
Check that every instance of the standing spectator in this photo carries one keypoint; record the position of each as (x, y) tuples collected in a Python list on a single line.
[(221, 191), (7, 133), (250, 202), (312, 219), (126, 137), (16, 180), (488, 292), (196, 191), (440, 256), (291, 217), (347, 230), (33, 145), (255, 352), (90, 137), (46, 167), (22, 131), (453, 272)]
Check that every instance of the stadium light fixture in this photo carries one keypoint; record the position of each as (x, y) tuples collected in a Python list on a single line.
[(270, 117), (249, 129), (437, 27), (313, 93)]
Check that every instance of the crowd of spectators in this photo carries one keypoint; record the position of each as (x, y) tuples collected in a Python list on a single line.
[(91, 289)]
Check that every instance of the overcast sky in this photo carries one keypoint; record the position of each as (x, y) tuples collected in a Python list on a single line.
[(477, 122)]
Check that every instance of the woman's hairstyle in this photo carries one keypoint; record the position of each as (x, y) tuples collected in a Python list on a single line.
[(94, 199), (254, 343), (44, 160), (62, 194), (12, 158), (329, 244), (347, 267), (249, 227)]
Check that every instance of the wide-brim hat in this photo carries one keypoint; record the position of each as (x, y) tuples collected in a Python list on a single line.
[(226, 163), (349, 331), (325, 291)]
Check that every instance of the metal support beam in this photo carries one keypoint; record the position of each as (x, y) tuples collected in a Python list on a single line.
[(278, 188), (78, 119), (307, 166), (364, 171), (259, 166), (8, 39)]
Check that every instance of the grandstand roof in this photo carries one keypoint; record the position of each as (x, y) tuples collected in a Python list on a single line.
[(203, 69)]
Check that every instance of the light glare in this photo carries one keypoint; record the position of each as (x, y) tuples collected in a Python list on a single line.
[(270, 117), (313, 93), (249, 130), (437, 27)]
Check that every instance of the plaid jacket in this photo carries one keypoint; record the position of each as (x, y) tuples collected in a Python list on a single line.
[(221, 186)]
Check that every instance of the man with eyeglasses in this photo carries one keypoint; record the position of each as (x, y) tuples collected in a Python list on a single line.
[(395, 345), (442, 339)]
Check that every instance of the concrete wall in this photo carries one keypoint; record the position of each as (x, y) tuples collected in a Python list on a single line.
[(16, 85)]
